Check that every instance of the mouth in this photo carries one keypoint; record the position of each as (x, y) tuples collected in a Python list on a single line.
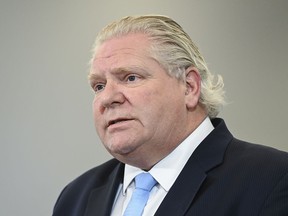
[(119, 120)]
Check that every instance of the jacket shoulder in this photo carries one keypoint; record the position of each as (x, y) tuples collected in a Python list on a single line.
[(97, 174), (256, 153), (75, 195)]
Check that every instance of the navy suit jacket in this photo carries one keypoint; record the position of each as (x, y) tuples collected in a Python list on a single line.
[(223, 177)]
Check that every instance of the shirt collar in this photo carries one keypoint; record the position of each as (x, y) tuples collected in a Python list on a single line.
[(167, 170)]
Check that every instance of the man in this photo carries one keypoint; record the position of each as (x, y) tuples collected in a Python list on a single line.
[(155, 111)]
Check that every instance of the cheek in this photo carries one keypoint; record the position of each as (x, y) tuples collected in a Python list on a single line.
[(153, 106), (96, 105), (167, 104), (96, 117), (95, 112)]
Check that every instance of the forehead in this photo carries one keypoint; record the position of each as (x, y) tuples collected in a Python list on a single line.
[(128, 47)]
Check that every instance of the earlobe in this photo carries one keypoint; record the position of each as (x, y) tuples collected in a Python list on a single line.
[(193, 87)]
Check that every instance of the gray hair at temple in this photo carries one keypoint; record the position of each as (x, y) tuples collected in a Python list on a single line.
[(173, 49)]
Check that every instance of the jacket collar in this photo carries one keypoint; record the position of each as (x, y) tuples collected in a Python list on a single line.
[(101, 198), (208, 155)]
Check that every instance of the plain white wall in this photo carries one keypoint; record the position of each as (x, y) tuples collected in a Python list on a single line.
[(47, 135)]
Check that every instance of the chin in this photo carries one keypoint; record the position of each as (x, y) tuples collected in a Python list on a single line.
[(122, 150)]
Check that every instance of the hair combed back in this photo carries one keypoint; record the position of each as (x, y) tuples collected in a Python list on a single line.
[(172, 47)]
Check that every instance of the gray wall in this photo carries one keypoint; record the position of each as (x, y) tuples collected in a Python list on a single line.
[(47, 135)]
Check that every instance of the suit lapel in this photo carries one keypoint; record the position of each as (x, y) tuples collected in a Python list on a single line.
[(101, 199), (208, 155), (183, 191)]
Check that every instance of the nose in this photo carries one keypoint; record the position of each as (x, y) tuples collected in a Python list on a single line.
[(112, 95)]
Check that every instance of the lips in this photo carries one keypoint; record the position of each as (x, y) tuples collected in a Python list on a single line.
[(118, 120)]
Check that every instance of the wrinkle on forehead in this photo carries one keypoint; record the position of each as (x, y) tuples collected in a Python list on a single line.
[(109, 60), (109, 54), (123, 53)]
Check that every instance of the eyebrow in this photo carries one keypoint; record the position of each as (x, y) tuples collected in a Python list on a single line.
[(92, 77), (116, 71), (127, 69)]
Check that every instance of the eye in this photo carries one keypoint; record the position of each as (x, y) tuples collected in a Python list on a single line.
[(98, 87), (132, 78)]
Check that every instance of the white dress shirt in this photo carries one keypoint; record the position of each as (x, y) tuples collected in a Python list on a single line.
[(165, 172)]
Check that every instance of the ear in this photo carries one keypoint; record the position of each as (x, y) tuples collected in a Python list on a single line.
[(193, 87)]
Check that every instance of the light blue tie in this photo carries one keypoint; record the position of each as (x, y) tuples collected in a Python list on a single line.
[(144, 184)]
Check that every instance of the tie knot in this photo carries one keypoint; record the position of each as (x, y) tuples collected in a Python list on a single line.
[(145, 181)]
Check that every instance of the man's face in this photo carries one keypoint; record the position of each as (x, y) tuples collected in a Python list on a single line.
[(139, 111)]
